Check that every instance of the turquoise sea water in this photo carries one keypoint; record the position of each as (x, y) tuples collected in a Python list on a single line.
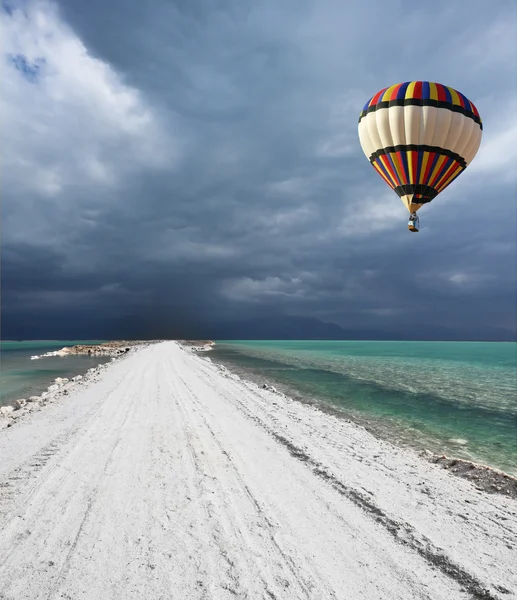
[(459, 398), (21, 377)]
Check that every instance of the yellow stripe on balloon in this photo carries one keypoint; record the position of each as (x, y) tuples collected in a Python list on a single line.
[(381, 173), (423, 167), (378, 164), (409, 155), (454, 95), (410, 90), (437, 167), (445, 176), (433, 91), (450, 179), (389, 169), (387, 93), (398, 167)]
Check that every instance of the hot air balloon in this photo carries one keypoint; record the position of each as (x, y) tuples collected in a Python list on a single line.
[(419, 136)]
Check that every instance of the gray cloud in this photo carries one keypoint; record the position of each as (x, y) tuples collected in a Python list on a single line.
[(182, 162)]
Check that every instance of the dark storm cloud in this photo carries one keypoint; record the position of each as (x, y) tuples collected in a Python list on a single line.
[(182, 162)]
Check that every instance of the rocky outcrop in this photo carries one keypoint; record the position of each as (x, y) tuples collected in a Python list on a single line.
[(113, 348), (485, 478), (106, 349)]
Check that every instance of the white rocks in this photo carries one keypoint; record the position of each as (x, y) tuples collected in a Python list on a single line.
[(223, 371), (61, 387), (62, 352), (196, 349), (269, 388), (4, 423), (18, 413)]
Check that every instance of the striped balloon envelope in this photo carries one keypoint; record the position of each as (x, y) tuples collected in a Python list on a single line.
[(419, 136)]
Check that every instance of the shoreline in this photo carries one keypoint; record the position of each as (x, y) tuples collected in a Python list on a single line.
[(165, 474), (14, 410), (482, 476), (110, 348)]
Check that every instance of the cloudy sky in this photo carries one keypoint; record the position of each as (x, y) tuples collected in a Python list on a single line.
[(178, 162)]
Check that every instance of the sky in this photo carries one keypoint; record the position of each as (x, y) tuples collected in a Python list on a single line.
[(171, 164)]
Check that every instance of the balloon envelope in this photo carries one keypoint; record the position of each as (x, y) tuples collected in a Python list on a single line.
[(419, 136)]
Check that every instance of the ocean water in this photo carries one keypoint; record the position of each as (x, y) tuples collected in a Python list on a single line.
[(457, 398), (21, 377)]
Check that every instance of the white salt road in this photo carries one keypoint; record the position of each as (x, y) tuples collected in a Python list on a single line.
[(165, 477)]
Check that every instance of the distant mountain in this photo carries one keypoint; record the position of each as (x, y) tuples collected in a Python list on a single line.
[(278, 328), (133, 327), (302, 328)]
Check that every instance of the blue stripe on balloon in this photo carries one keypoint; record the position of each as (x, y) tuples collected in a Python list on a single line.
[(401, 94), (426, 90), (418, 175)]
